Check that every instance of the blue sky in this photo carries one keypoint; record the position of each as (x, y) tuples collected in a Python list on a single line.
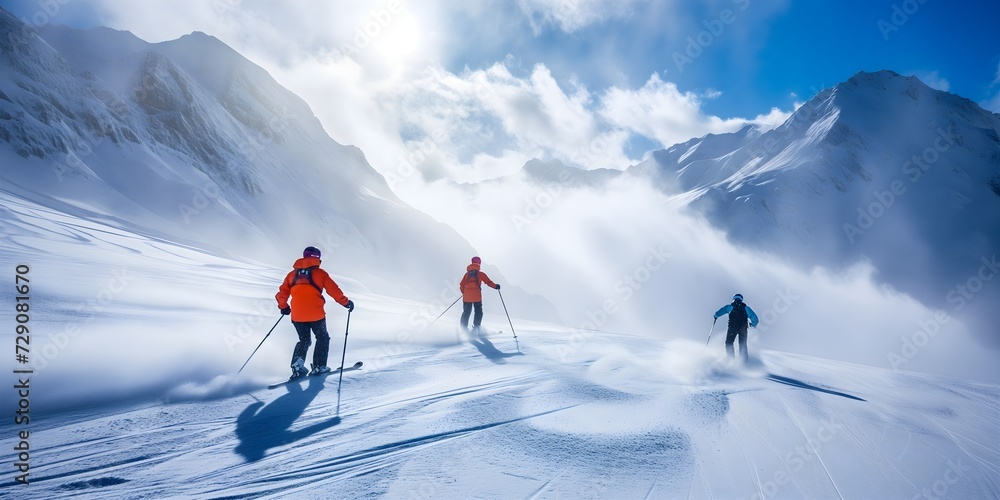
[(769, 51), (482, 87)]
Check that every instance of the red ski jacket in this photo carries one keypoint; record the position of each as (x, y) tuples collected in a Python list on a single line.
[(470, 284), (307, 299)]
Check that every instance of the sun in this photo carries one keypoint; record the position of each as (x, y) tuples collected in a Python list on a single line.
[(399, 40)]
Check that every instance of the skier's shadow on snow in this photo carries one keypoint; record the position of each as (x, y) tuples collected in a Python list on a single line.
[(260, 428), (802, 385), (490, 351)]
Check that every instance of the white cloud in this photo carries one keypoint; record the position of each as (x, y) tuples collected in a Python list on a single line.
[(773, 119), (375, 80), (482, 117), (660, 111), (571, 15), (933, 80), (993, 103)]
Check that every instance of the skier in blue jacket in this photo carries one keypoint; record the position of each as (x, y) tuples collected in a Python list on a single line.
[(739, 313)]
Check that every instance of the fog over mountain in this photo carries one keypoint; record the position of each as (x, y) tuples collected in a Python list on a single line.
[(189, 139), (880, 167), (864, 223), (153, 195)]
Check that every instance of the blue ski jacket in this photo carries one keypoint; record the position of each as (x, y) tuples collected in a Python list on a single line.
[(729, 307)]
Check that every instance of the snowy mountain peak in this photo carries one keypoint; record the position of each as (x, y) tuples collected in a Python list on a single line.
[(190, 140), (880, 168)]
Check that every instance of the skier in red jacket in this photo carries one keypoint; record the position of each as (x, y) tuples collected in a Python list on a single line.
[(305, 285), (472, 293)]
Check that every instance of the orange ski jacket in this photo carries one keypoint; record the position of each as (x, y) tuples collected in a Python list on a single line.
[(470, 284), (307, 300)]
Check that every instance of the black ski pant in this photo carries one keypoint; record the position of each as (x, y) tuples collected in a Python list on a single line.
[(731, 336), (305, 330), (467, 310)]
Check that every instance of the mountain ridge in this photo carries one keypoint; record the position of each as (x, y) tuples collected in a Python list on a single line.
[(879, 167), (208, 149)]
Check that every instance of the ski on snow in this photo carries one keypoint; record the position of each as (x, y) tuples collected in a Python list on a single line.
[(356, 366)]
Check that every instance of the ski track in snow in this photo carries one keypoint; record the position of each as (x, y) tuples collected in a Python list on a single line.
[(451, 417), (458, 425)]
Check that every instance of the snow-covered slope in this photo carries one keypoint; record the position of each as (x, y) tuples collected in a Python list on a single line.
[(614, 417), (134, 394), (138, 179), (880, 167), (189, 139)]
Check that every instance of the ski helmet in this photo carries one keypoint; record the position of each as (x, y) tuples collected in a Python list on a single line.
[(738, 296), (477, 260), (311, 252)]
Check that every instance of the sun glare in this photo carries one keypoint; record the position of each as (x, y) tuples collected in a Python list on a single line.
[(399, 40)]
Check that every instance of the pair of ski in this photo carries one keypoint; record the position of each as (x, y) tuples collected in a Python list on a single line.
[(356, 366)]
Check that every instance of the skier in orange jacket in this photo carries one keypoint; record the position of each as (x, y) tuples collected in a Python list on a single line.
[(305, 285), (472, 293)]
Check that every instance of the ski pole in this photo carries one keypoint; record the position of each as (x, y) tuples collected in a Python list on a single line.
[(509, 322), (343, 356), (260, 344), (446, 310), (710, 332)]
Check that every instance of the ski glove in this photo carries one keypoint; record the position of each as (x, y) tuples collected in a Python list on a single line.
[(350, 305), (498, 286), (286, 311)]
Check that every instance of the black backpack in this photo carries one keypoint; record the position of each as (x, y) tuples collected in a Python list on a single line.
[(307, 274), (473, 274), (738, 316)]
